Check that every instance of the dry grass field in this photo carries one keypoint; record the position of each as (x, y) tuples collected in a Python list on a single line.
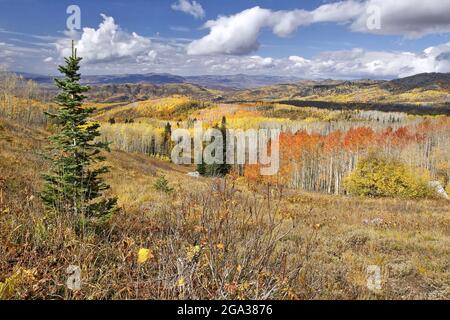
[(195, 150), (213, 237)]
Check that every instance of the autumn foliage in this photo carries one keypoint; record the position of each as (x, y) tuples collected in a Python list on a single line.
[(377, 176), (320, 162)]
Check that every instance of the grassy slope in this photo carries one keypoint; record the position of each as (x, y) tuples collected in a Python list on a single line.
[(140, 92), (167, 108), (402, 91), (245, 115), (327, 234)]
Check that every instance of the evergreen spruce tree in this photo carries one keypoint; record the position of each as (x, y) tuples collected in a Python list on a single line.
[(224, 168), (74, 185), (152, 150), (201, 168), (167, 139), (217, 169), (213, 169)]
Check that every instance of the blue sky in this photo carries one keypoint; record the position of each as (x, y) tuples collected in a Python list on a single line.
[(310, 39)]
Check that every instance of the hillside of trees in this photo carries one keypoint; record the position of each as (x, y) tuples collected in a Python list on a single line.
[(353, 191)]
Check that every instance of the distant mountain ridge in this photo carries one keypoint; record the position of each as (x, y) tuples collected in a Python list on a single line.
[(430, 81), (245, 82), (238, 81), (427, 89), (422, 88)]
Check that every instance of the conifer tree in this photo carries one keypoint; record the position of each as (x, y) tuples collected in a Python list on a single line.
[(201, 168), (217, 169), (152, 149), (213, 169), (167, 139), (224, 167), (74, 185)]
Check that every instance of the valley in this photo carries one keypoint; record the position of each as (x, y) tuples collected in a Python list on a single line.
[(309, 232), (214, 159)]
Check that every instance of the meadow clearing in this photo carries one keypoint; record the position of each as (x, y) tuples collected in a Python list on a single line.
[(298, 235)]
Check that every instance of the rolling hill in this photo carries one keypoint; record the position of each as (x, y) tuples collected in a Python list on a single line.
[(428, 91), (138, 92), (357, 90), (239, 81)]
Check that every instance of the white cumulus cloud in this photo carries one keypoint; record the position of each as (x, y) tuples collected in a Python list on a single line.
[(239, 33), (108, 42), (109, 49), (193, 8), (360, 63)]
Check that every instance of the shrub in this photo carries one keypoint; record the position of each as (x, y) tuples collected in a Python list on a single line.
[(17, 286), (162, 184), (377, 176)]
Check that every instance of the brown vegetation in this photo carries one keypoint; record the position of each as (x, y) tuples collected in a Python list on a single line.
[(213, 238), (236, 237)]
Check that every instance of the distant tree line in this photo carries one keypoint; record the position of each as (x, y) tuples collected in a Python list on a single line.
[(386, 107), (23, 100), (421, 109), (320, 162)]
